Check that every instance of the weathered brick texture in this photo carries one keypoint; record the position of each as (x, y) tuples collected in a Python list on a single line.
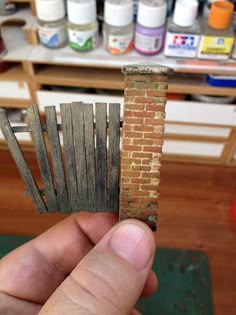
[(143, 127)]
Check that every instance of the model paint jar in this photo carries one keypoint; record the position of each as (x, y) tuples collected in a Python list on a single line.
[(150, 27), (217, 34), (183, 30), (82, 25), (51, 23), (7, 7), (118, 26)]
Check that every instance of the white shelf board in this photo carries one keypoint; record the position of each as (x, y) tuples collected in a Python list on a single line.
[(99, 57), (16, 44)]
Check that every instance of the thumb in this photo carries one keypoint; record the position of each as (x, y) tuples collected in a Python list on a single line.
[(110, 279)]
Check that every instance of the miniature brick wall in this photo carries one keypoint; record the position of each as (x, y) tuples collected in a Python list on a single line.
[(143, 127)]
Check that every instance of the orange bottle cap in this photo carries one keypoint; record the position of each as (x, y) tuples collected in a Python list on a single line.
[(220, 14)]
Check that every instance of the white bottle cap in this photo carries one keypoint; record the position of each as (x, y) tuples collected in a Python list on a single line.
[(81, 12), (118, 12), (152, 13), (50, 10), (185, 12)]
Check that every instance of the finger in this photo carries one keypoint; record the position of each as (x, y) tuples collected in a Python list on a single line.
[(35, 270), (150, 286), (111, 278)]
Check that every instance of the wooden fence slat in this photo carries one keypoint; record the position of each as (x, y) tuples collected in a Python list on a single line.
[(23, 168), (70, 165), (41, 152), (90, 156), (114, 156), (54, 140), (80, 157), (101, 155)]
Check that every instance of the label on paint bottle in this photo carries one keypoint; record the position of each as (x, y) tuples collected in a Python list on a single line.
[(148, 44), (52, 37), (120, 44), (181, 45), (85, 40), (218, 48)]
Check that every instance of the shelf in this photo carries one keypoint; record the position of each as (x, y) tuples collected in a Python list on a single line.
[(114, 79), (101, 59), (14, 73), (14, 103)]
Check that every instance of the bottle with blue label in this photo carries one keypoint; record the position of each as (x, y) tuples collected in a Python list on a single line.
[(52, 30), (183, 30)]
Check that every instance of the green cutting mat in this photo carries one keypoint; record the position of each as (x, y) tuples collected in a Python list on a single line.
[(184, 283)]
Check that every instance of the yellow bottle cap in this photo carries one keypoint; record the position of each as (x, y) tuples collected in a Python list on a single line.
[(220, 14)]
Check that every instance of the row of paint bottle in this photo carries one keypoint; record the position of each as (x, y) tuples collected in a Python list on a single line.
[(183, 36)]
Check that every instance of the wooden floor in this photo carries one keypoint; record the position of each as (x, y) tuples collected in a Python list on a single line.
[(195, 213)]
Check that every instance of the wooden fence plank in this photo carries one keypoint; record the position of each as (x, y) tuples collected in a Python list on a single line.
[(114, 156), (70, 165), (90, 155), (23, 168), (53, 137), (101, 155), (80, 157), (41, 152)]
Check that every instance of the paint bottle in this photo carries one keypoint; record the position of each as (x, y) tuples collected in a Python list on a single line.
[(82, 24), (150, 28), (234, 48), (169, 7), (118, 26), (183, 30), (52, 29), (7, 7), (217, 34)]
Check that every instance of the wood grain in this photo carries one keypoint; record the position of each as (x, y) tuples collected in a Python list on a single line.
[(41, 152), (114, 156)]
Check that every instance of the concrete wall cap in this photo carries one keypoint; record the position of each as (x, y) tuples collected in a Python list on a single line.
[(146, 68)]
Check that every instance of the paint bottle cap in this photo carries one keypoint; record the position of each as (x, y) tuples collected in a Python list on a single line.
[(50, 10), (185, 12), (81, 12), (118, 12), (221, 14), (152, 13)]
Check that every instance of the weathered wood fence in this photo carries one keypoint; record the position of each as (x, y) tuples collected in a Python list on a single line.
[(84, 172)]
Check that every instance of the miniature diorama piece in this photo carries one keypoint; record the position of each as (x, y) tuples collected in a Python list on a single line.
[(105, 161)]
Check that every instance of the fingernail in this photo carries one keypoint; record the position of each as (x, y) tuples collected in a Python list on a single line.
[(132, 243)]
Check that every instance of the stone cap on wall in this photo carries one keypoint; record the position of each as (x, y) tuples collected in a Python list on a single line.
[(146, 68)]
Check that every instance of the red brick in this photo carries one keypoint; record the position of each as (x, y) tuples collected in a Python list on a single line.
[(131, 161), (132, 148), (130, 173), (131, 186), (127, 141), (134, 107), (138, 205), (133, 135), (124, 204), (149, 187), (154, 107), (145, 85), (143, 128), (158, 142), (146, 162), (158, 78), (152, 149), (126, 167), (127, 127), (162, 86), (142, 142), (135, 92), (144, 100), (129, 84), (141, 168), (141, 180), (130, 199), (134, 121), (125, 180), (153, 122), (151, 175), (156, 93), (142, 155), (140, 193), (155, 135), (135, 77), (144, 114), (126, 154)]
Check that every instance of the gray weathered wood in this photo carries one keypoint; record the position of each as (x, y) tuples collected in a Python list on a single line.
[(90, 155), (70, 165), (114, 156), (80, 156), (23, 167), (59, 175), (41, 152), (101, 155)]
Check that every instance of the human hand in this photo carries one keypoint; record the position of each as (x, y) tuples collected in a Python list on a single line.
[(83, 265)]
